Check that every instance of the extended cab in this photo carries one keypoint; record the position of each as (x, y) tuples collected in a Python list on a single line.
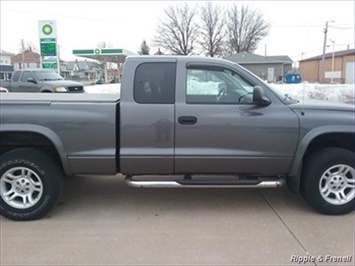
[(206, 122), (40, 80)]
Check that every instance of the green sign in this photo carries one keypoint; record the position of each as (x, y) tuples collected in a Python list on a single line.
[(86, 51), (48, 49), (47, 40), (112, 51), (98, 51), (50, 64)]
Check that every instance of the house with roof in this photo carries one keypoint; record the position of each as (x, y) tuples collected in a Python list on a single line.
[(340, 65), (26, 59), (270, 68), (83, 69), (6, 67)]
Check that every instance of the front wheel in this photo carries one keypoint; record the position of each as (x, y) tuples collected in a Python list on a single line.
[(30, 184), (328, 181)]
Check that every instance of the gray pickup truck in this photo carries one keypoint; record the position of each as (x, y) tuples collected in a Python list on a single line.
[(178, 122), (40, 80)]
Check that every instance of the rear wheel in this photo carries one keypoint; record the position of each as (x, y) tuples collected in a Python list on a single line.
[(328, 181), (30, 184)]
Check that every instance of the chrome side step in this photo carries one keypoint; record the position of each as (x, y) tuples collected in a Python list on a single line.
[(272, 183)]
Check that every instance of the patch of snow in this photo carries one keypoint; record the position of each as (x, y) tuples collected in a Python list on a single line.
[(207, 88), (112, 88), (328, 92)]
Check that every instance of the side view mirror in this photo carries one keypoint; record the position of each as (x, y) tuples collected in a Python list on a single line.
[(31, 80), (259, 96)]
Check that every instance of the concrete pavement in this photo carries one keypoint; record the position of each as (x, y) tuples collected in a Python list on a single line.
[(101, 221)]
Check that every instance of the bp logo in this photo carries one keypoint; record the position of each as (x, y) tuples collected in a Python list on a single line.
[(47, 29), (97, 51)]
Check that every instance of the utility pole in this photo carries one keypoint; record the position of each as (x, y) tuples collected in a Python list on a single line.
[(23, 54), (333, 42), (321, 70)]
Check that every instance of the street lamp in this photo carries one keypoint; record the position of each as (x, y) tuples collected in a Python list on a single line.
[(324, 47)]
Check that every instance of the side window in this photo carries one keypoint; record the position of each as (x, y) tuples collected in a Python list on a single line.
[(217, 86), (155, 83), (26, 75), (16, 76)]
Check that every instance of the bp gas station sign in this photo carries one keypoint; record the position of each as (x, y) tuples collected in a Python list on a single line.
[(48, 44), (48, 49), (50, 64)]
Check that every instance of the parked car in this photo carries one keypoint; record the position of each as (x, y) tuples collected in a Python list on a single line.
[(182, 117), (40, 80)]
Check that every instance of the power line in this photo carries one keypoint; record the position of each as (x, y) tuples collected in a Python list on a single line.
[(341, 28)]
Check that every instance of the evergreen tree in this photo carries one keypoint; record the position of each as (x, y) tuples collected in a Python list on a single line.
[(144, 49)]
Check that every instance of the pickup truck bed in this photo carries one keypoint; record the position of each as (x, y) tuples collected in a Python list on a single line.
[(66, 118)]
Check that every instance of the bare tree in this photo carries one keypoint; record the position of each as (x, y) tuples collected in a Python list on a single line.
[(177, 32), (245, 28), (104, 44), (27, 46), (144, 49), (211, 29)]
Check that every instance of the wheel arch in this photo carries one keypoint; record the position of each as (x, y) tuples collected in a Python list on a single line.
[(321, 137), (19, 135), (46, 89)]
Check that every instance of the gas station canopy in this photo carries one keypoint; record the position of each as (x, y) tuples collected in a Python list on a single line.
[(110, 55)]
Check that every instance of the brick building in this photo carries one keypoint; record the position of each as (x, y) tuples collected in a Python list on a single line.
[(344, 62)]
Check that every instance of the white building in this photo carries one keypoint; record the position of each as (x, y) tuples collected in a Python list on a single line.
[(6, 67), (5, 58)]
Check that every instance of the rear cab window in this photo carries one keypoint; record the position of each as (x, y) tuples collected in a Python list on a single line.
[(154, 83)]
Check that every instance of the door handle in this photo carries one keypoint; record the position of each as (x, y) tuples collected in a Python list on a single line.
[(187, 120)]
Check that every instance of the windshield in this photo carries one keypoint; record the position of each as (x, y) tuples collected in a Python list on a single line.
[(47, 75)]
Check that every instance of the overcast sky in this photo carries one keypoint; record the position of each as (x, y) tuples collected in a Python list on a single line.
[(297, 26)]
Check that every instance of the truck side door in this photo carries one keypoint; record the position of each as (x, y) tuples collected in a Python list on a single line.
[(24, 85), (14, 80), (219, 129), (147, 117)]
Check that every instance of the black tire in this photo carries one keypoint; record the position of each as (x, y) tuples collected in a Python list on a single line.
[(323, 180), (30, 183)]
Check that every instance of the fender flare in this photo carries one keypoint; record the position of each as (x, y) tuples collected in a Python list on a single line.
[(45, 132), (46, 88), (294, 178)]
